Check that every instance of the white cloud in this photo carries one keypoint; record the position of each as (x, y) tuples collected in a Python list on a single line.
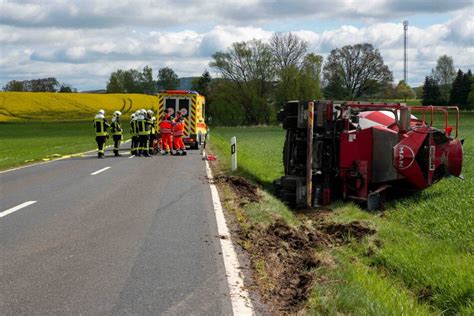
[(82, 42)]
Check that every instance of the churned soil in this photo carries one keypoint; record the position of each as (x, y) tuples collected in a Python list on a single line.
[(243, 188), (283, 257)]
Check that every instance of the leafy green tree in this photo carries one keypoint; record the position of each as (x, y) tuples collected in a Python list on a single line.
[(167, 79), (65, 88), (202, 84), (132, 81), (335, 89), (431, 94), (310, 82), (444, 74), (461, 88), (248, 69), (359, 69), (148, 84), (13, 85), (116, 82), (404, 91), (470, 97)]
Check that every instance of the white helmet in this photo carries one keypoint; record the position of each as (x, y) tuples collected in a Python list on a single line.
[(101, 112), (143, 112), (132, 116), (117, 113), (150, 112), (153, 118)]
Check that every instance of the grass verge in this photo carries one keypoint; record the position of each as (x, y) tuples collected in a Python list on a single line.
[(418, 262), (28, 142)]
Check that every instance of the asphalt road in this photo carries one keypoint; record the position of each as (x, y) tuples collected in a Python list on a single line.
[(137, 238)]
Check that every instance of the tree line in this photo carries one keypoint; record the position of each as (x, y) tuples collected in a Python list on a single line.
[(446, 86), (256, 78), (50, 84)]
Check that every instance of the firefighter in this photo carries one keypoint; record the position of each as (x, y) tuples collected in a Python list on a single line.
[(135, 133), (151, 136), (116, 130), (101, 126), (178, 130), (133, 144), (165, 131), (143, 134)]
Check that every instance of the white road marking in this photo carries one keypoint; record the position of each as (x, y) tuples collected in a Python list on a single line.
[(16, 208), (53, 160), (131, 156), (99, 171), (241, 304)]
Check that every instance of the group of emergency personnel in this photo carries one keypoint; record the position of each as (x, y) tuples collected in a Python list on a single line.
[(143, 129)]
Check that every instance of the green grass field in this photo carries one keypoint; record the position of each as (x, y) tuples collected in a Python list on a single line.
[(425, 263), (28, 142)]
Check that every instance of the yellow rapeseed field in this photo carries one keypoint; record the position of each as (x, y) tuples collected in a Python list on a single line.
[(21, 106)]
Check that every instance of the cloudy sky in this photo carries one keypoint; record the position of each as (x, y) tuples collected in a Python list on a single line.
[(82, 42)]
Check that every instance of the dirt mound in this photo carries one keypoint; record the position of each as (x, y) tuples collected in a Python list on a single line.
[(283, 256), (242, 187)]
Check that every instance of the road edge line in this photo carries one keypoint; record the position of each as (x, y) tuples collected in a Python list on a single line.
[(53, 160), (240, 299)]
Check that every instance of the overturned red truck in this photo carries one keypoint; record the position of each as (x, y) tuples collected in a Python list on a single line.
[(360, 151)]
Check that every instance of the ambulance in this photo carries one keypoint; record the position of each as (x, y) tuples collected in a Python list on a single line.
[(192, 107)]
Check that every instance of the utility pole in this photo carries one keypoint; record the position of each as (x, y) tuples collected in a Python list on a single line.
[(405, 61)]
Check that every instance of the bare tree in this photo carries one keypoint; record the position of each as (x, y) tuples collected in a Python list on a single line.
[(288, 52), (288, 49), (359, 69)]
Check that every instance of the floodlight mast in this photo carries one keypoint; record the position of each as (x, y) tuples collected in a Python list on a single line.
[(405, 61)]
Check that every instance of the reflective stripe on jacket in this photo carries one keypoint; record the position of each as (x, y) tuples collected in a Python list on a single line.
[(101, 126), (178, 129), (115, 127), (165, 126), (143, 127)]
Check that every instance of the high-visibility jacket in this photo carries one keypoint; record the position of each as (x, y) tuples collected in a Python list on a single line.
[(116, 128), (143, 127), (165, 125), (153, 127), (101, 126), (178, 129), (149, 122)]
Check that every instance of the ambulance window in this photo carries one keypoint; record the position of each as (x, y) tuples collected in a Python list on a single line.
[(203, 110), (183, 103), (170, 103)]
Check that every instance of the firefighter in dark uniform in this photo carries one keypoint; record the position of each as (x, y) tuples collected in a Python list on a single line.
[(101, 127), (152, 123), (116, 130), (143, 134), (134, 134)]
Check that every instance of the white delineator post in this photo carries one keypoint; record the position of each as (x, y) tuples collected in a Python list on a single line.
[(233, 151)]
